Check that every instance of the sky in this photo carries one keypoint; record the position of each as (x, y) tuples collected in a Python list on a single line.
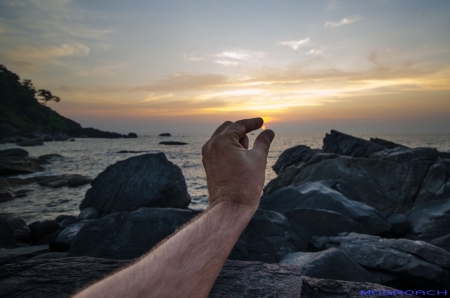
[(373, 66)]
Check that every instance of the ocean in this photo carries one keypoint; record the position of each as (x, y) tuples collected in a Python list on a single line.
[(90, 157)]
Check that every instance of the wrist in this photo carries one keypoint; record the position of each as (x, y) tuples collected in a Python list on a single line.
[(234, 208)]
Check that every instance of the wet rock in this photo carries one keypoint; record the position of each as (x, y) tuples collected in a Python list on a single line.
[(318, 195), (436, 185), (31, 142), (148, 180), (47, 138), (62, 217), (18, 165), (172, 143), (67, 236), (6, 195), (72, 140), (429, 220), (4, 184), (60, 138), (70, 220), (427, 264), (7, 140), (50, 157), (131, 135), (99, 237), (166, 134), (13, 152), (44, 228), (329, 264), (21, 231), (7, 239), (343, 144), (294, 156), (14, 182), (131, 151), (15, 255), (93, 133), (76, 180), (89, 213), (442, 242), (400, 224), (49, 239)]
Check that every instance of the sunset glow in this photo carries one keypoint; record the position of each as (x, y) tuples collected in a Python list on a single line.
[(316, 65)]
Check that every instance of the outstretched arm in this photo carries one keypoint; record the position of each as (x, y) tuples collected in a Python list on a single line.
[(188, 263)]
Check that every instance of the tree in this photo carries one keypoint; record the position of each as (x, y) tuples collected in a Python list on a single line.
[(46, 96)]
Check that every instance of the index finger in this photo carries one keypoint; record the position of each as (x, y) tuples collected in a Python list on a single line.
[(242, 127)]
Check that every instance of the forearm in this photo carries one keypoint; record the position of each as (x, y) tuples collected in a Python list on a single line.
[(187, 264)]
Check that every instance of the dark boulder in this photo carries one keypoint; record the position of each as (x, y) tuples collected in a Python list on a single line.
[(427, 264), (343, 144), (18, 165), (7, 140), (6, 195), (20, 254), (93, 133), (389, 181), (385, 143), (43, 229), (13, 152), (78, 180), (283, 179), (60, 138), (267, 238), (70, 220), (329, 264), (172, 143), (318, 195), (89, 213), (49, 239), (131, 135), (165, 134), (400, 224), (67, 236), (31, 142), (7, 238), (429, 220), (294, 156), (148, 180), (128, 235), (21, 230), (319, 222), (436, 185)]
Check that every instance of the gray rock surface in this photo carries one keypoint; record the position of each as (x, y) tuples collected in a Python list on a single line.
[(343, 144), (89, 213), (436, 185), (318, 195), (418, 260), (14, 255), (400, 224), (18, 165), (328, 264), (13, 152), (128, 235), (294, 156), (31, 142), (67, 236), (147, 180)]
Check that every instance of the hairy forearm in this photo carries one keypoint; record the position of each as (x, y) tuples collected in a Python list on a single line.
[(187, 264)]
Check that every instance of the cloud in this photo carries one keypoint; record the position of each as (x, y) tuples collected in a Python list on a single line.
[(26, 52), (240, 55), (226, 62), (344, 21), (184, 82), (295, 45), (314, 52)]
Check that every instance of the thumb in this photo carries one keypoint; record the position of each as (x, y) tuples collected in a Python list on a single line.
[(263, 141)]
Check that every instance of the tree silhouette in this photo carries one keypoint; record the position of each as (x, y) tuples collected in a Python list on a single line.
[(47, 95)]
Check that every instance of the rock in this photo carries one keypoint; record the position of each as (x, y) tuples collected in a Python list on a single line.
[(131, 135), (14, 182), (44, 228), (22, 193), (50, 256), (50, 157), (7, 238), (76, 180), (283, 179), (445, 155), (319, 222), (60, 138), (15, 255), (67, 236), (427, 264), (7, 140), (326, 288), (329, 264), (20, 229), (18, 165), (385, 143), (400, 224), (4, 184), (393, 193), (31, 142), (47, 138), (93, 133), (429, 220), (49, 239), (318, 195), (6, 195), (64, 277), (72, 140), (406, 154), (62, 217), (148, 180), (131, 151), (89, 213), (13, 152), (343, 144), (99, 237), (70, 220), (166, 134), (294, 156), (172, 143), (436, 185), (268, 237), (442, 242)]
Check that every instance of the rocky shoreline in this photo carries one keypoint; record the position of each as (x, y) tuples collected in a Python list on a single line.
[(353, 215)]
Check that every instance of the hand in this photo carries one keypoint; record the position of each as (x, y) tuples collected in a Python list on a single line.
[(234, 173)]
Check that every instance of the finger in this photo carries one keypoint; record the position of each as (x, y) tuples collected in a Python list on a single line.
[(244, 142), (221, 128), (263, 141), (242, 127)]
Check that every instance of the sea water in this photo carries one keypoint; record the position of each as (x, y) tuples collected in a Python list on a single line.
[(90, 157)]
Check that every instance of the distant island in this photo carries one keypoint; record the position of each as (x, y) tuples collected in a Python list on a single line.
[(23, 116)]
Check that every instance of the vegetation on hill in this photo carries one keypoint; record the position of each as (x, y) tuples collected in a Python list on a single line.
[(19, 105)]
